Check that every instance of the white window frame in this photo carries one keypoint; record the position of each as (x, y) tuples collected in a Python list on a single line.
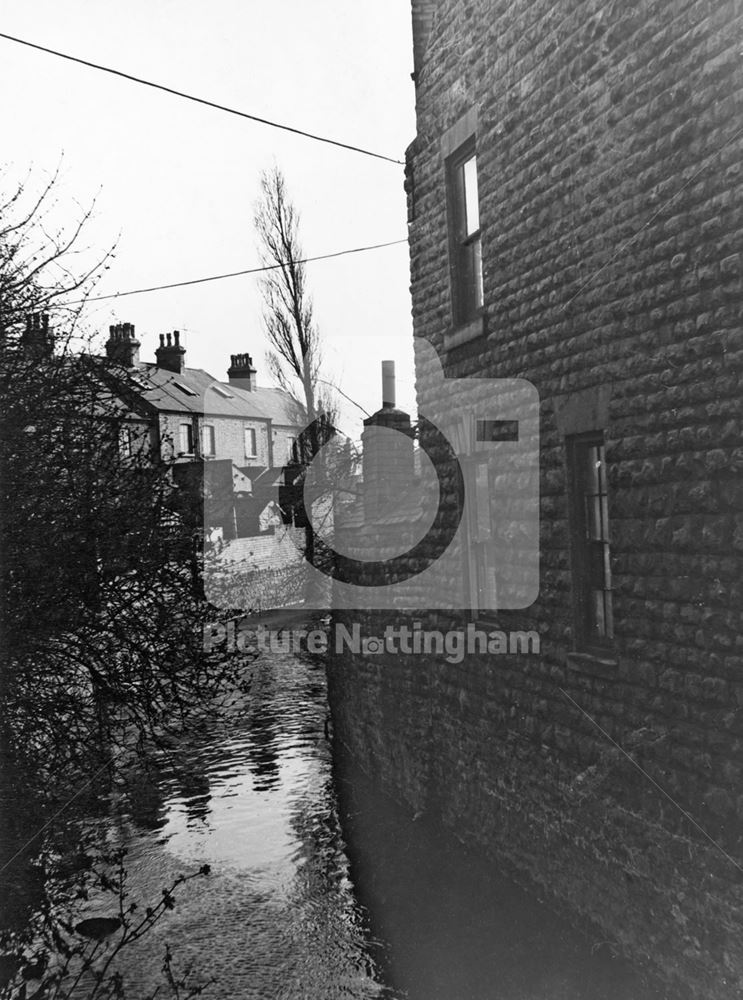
[(186, 438), (208, 433), (250, 432)]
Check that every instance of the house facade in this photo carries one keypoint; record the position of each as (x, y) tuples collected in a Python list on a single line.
[(231, 445), (200, 417), (574, 193)]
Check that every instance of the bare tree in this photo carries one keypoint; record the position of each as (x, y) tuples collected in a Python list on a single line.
[(101, 644), (101, 629), (295, 357), (35, 252)]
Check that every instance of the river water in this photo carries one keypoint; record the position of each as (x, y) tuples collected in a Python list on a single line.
[(309, 899)]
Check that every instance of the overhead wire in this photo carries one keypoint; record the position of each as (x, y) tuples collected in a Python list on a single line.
[(235, 274), (241, 114), (199, 100)]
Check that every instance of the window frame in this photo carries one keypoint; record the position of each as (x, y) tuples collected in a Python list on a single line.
[(480, 530), (185, 430), (590, 544), (185, 389), (250, 431), (208, 431), (465, 245)]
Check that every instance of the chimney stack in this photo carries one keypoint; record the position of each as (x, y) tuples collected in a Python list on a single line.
[(122, 347), (387, 442), (37, 340), (241, 372), (171, 355), (388, 384)]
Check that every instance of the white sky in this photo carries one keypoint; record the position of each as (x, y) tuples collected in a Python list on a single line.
[(178, 182)]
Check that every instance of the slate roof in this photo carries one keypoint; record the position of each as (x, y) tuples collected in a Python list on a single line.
[(196, 391)]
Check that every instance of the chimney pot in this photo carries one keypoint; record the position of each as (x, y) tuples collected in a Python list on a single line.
[(171, 354), (122, 347), (37, 340), (388, 384), (241, 372)]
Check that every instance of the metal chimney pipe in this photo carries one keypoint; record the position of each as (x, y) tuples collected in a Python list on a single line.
[(388, 384)]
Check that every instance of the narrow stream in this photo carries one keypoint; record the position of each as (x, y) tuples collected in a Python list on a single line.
[(301, 907)]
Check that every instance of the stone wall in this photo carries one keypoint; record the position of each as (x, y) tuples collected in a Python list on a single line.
[(610, 184)]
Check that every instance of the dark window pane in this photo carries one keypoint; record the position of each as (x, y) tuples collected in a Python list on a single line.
[(590, 535), (593, 517), (599, 621)]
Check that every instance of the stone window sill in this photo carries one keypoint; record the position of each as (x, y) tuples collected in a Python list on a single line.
[(602, 664), (464, 334)]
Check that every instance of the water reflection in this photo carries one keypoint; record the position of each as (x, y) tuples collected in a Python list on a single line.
[(251, 794), (196, 795), (263, 758), (285, 914)]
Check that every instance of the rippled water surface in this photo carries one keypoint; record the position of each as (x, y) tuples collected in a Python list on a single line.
[(296, 908), (250, 793)]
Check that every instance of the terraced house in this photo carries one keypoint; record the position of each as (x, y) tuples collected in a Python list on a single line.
[(231, 435), (574, 202)]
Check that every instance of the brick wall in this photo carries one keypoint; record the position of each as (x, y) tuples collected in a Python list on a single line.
[(610, 204), (281, 442), (284, 547), (260, 572), (229, 436)]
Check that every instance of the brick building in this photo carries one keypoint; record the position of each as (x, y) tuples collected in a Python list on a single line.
[(201, 417), (574, 206), (232, 445), (243, 432)]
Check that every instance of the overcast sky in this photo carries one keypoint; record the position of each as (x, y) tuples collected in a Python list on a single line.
[(176, 183)]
